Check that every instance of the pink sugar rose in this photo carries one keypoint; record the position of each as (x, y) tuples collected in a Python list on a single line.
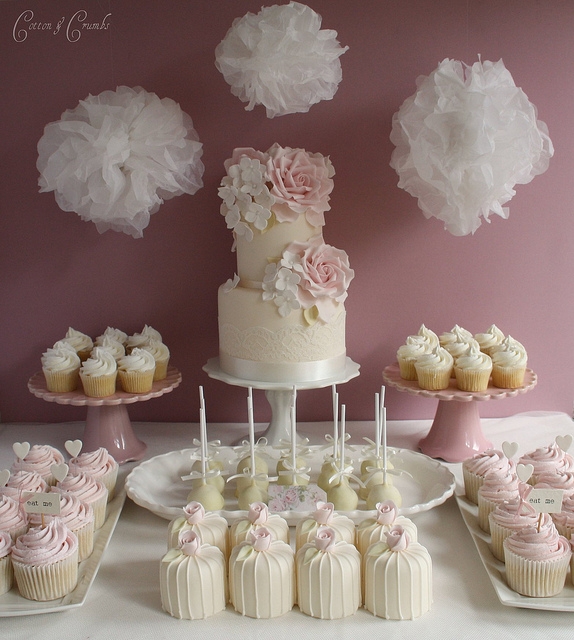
[(325, 275), (325, 539), (260, 539), (301, 183), (397, 539)]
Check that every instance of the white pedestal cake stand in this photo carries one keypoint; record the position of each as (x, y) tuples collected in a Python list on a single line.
[(278, 395), (456, 432), (107, 422)]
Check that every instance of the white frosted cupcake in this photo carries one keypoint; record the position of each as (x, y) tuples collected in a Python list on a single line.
[(98, 374), (210, 527), (45, 561), (456, 335), (537, 561), (40, 458), (258, 516), (161, 355), (324, 516), (61, 368), (373, 530), (262, 576), (328, 577), (407, 355), (81, 343), (6, 570), (429, 337), (434, 369), (472, 370), (115, 347), (141, 339), (509, 361), (490, 339), (193, 583), (113, 333), (99, 464), (136, 371), (89, 490)]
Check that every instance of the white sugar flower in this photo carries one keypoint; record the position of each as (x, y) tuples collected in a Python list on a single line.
[(117, 156), (242, 229), (257, 215), (286, 303), (287, 280)]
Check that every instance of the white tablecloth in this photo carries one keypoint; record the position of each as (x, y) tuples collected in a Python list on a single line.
[(124, 601)]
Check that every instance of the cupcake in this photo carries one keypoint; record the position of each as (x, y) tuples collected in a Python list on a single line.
[(407, 355), (495, 489), (324, 516), (547, 460), (24, 482), (90, 491), (161, 355), (98, 374), (328, 577), (136, 371), (472, 371), (81, 343), (537, 561), (397, 577), (434, 369), (490, 339), (100, 465), (6, 570), (429, 337), (141, 339), (509, 364), (78, 517), (114, 334), (61, 368), (115, 347), (564, 520), (373, 530), (13, 518), (458, 341), (40, 458), (210, 527), (258, 517), (45, 561), (564, 481), (192, 580), (262, 576), (475, 469)]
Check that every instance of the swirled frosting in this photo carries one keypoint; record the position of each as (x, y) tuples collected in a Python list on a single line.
[(510, 353), (5, 544), (115, 347), (456, 334), (61, 357), (40, 459), (80, 341), (559, 480), (100, 363), (137, 360), (12, 516), (516, 515), (474, 359), (140, 339), (492, 337), (42, 545), (158, 349), (550, 459), (438, 358), (498, 487), (533, 544), (480, 464), (95, 463), (85, 486), (566, 517), (414, 347), (24, 481), (74, 513), (429, 336), (115, 334)]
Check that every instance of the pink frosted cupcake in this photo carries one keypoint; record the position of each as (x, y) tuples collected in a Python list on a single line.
[(13, 518), (560, 480), (23, 482), (496, 489), (99, 464), (78, 517), (89, 490), (564, 520), (537, 561), (40, 459), (475, 469), (6, 570), (551, 459), (45, 561)]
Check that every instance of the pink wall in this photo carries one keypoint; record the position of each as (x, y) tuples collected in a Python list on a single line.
[(57, 271)]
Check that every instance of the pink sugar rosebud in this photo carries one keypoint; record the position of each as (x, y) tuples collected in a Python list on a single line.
[(189, 542), (260, 539), (325, 539), (194, 512), (258, 513), (324, 512), (397, 539), (386, 512)]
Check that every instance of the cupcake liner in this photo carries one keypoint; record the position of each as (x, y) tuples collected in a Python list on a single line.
[(85, 535), (472, 484), (407, 369), (472, 379), (433, 379), (136, 381), (564, 530), (62, 381), (507, 377), (160, 372), (47, 581), (485, 508), (536, 578), (6, 574), (99, 386), (498, 536), (99, 508)]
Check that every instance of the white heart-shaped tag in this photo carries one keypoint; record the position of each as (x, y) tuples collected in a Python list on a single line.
[(73, 447), (509, 449), (21, 449), (564, 442), (4, 477), (59, 471), (524, 471)]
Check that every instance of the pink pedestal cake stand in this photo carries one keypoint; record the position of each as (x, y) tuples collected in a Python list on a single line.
[(456, 432), (107, 422)]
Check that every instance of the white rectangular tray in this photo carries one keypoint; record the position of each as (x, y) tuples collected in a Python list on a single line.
[(497, 574), (13, 604)]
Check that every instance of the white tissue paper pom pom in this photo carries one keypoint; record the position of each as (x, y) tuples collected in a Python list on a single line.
[(117, 156), (281, 58), (464, 140)]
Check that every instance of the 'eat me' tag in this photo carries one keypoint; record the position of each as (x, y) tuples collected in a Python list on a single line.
[(546, 500), (46, 503)]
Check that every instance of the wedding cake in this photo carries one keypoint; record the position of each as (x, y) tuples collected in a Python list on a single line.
[(282, 317)]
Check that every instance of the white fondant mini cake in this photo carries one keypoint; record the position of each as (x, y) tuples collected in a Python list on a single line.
[(282, 318), (211, 527), (193, 581), (324, 516), (262, 576), (258, 517), (328, 577), (398, 577), (373, 530)]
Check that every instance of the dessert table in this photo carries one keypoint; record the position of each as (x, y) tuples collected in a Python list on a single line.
[(124, 600)]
